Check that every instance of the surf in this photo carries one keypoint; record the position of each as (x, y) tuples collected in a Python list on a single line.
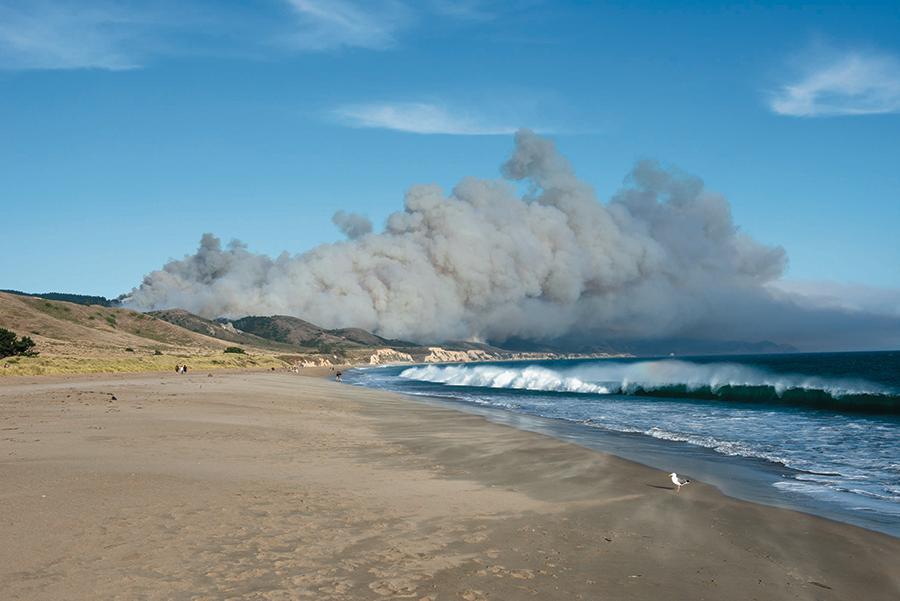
[(672, 378)]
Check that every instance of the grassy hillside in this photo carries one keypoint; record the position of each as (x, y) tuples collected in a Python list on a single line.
[(295, 331), (78, 299), (281, 328), (75, 338), (220, 331)]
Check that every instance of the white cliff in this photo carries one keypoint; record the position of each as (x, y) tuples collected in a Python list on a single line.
[(386, 355)]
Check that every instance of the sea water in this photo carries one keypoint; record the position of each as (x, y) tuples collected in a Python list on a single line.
[(815, 432)]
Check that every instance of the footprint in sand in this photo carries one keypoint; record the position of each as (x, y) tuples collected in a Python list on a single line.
[(500, 572), (394, 588), (522, 574), (473, 595), (478, 537)]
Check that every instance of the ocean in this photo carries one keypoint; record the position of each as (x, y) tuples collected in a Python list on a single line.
[(818, 433)]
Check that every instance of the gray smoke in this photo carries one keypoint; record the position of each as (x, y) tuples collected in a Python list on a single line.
[(662, 258), (352, 225)]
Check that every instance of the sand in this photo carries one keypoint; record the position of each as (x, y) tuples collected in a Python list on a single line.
[(278, 486)]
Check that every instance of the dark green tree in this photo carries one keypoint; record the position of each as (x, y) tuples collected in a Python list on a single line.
[(13, 346)]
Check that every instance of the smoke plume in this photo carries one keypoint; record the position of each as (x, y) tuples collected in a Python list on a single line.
[(352, 225), (662, 258)]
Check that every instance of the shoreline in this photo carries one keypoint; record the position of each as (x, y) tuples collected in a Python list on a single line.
[(742, 478), (273, 486), (753, 477)]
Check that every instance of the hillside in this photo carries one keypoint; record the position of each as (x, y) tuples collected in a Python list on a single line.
[(76, 338), (281, 328), (292, 330), (81, 338), (84, 338), (219, 330), (78, 299)]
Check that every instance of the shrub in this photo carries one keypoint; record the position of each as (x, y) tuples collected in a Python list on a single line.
[(111, 320), (129, 349), (157, 352), (12, 346), (235, 349)]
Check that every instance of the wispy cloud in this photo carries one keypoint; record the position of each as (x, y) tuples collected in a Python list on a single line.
[(327, 24), (52, 35), (418, 118), (853, 83), (126, 34)]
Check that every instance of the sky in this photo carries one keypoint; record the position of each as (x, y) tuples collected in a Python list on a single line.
[(129, 129)]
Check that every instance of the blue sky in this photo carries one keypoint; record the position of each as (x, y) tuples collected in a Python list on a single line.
[(127, 129)]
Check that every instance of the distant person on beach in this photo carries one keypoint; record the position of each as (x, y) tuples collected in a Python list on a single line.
[(177, 369), (337, 376)]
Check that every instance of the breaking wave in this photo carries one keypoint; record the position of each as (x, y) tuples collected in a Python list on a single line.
[(671, 379)]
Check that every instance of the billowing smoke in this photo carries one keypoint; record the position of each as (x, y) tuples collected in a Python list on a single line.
[(352, 225), (663, 258)]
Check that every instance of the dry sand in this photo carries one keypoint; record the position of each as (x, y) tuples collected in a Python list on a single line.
[(276, 486)]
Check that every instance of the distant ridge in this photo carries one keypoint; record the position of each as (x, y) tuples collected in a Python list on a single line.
[(687, 346), (292, 334), (654, 348), (87, 337), (285, 333), (78, 299), (79, 333)]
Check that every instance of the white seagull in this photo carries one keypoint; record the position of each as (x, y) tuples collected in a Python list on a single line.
[(679, 482)]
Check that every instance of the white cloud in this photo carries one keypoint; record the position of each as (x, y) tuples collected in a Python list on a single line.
[(48, 35), (326, 24), (418, 118), (850, 84)]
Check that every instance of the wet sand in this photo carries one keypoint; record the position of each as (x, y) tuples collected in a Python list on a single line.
[(278, 486)]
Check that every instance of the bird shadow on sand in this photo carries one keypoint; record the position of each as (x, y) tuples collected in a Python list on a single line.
[(662, 487)]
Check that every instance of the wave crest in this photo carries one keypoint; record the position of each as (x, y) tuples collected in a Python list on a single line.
[(532, 377), (671, 379)]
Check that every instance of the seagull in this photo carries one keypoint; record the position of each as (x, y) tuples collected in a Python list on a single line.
[(679, 482)]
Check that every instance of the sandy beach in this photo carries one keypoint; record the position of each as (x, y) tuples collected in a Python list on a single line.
[(277, 486)]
